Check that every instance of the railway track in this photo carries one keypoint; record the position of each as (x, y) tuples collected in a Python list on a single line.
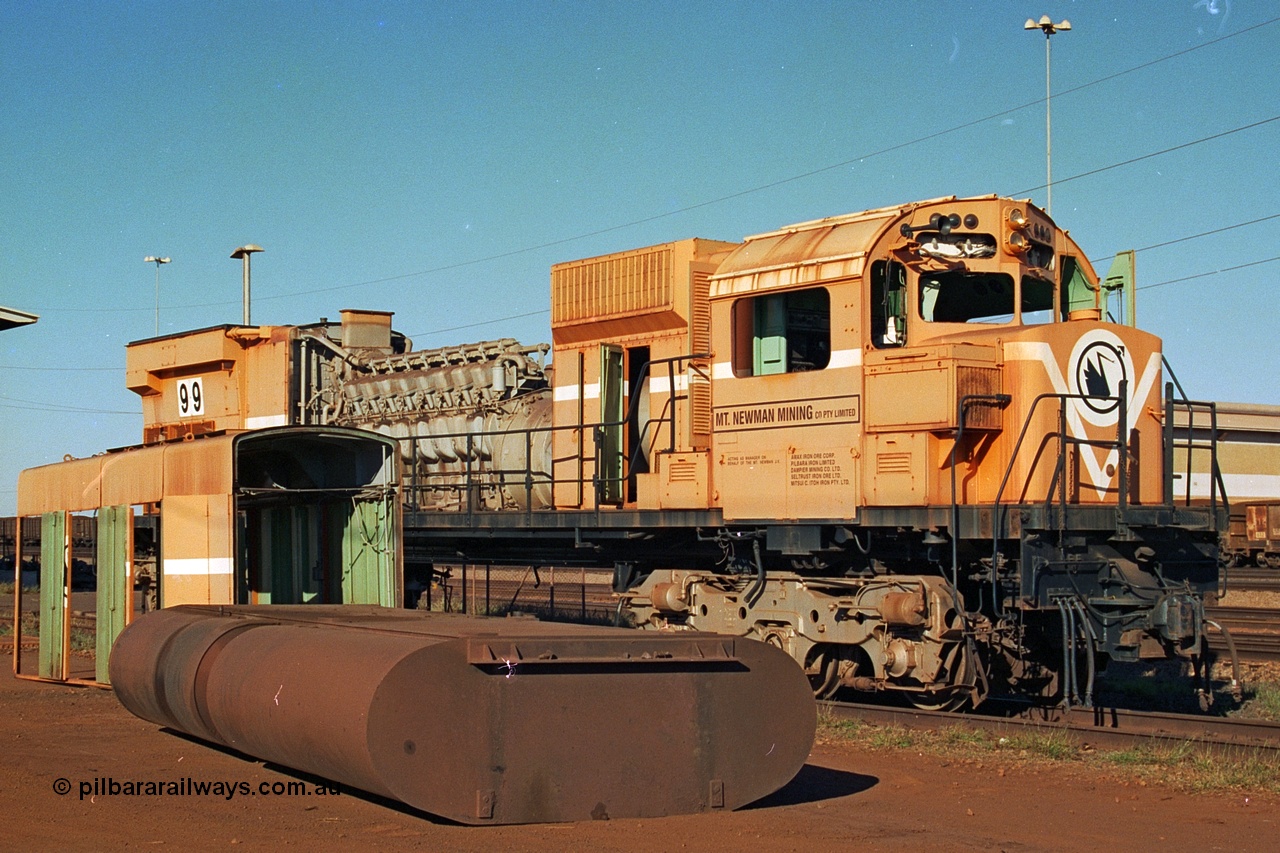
[(1250, 579), (1112, 728), (1255, 630), (79, 618), (1260, 619)]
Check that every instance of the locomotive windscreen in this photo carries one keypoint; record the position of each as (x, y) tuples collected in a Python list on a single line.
[(973, 297)]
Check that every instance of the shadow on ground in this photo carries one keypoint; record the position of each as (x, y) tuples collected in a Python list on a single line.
[(814, 784)]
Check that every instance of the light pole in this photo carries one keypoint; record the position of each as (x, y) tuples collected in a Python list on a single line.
[(1049, 27), (244, 252), (157, 260)]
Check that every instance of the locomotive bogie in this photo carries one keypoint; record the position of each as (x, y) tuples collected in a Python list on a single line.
[(878, 633)]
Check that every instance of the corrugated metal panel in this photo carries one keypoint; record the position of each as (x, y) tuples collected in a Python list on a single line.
[(612, 286), (71, 486), (1256, 522), (811, 243), (133, 477), (201, 467)]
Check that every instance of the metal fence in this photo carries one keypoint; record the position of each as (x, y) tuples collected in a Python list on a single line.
[(571, 595)]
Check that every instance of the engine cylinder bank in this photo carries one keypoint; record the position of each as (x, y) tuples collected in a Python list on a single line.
[(473, 421)]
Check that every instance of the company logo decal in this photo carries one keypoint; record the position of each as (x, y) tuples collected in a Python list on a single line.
[(1098, 363)]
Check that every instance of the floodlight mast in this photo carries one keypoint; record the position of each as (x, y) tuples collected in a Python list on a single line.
[(1049, 28), (157, 260), (243, 253)]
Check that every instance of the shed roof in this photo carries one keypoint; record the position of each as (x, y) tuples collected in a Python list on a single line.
[(11, 318)]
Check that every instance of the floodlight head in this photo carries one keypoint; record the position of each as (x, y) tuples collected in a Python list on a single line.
[(1047, 25), (246, 250)]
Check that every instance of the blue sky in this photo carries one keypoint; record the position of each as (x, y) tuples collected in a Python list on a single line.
[(434, 159)]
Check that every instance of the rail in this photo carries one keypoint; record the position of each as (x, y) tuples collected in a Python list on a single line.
[(1107, 727)]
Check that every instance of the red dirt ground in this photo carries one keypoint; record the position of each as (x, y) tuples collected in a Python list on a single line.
[(844, 798)]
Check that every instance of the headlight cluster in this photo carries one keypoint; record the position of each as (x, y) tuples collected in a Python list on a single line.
[(1015, 241), (1027, 238)]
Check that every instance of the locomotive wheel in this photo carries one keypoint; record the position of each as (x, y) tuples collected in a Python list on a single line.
[(958, 693)]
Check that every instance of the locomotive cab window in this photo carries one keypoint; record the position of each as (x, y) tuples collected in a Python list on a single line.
[(1037, 300), (961, 296), (888, 304), (782, 333)]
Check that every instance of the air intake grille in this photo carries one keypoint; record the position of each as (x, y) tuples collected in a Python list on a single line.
[(612, 287), (893, 463), (682, 472), (979, 380)]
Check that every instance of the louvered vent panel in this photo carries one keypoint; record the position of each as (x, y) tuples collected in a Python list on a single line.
[(700, 415), (612, 287), (893, 463), (700, 323), (682, 472)]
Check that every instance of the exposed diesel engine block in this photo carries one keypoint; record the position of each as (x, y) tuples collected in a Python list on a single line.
[(477, 413)]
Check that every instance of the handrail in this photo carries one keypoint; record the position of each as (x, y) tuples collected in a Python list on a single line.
[(962, 405), (643, 374), (1059, 475), (1217, 487), (645, 370), (1216, 484)]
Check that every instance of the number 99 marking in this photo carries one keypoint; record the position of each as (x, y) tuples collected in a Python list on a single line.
[(190, 398)]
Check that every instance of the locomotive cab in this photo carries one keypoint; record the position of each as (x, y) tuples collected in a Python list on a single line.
[(997, 265), (992, 292)]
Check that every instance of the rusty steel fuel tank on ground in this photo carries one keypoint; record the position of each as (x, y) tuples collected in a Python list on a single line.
[(482, 721)]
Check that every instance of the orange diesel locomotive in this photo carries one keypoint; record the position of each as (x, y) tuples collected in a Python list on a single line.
[(902, 445)]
